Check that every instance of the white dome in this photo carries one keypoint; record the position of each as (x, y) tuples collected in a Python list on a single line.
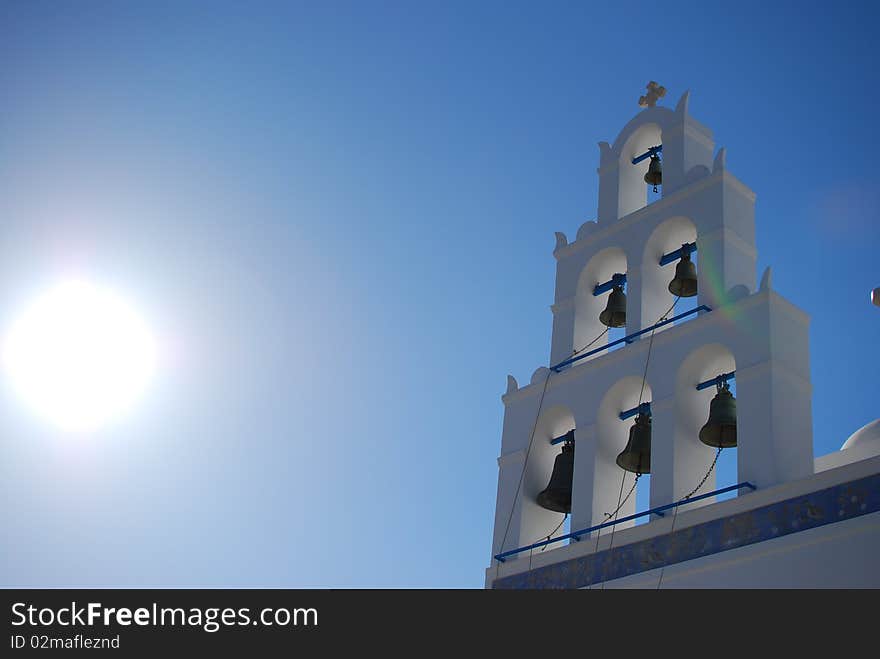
[(867, 435)]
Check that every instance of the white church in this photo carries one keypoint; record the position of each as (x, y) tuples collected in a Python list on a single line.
[(667, 351)]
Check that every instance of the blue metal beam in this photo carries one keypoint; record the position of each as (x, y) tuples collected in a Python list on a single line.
[(629, 338), (619, 279), (718, 380), (567, 437), (644, 408), (647, 154), (575, 535), (666, 259)]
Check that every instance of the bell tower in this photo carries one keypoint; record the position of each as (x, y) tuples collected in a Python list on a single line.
[(640, 403)]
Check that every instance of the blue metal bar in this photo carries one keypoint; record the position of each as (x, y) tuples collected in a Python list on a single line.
[(575, 535), (723, 490), (617, 280), (718, 380), (567, 437), (644, 408), (647, 154), (629, 338), (666, 259)]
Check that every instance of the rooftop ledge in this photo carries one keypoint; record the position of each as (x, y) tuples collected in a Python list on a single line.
[(826, 497)]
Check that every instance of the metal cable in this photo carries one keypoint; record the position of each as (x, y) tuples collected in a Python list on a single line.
[(528, 451), (641, 393), (590, 343), (620, 503), (675, 512), (613, 528), (523, 472), (651, 345)]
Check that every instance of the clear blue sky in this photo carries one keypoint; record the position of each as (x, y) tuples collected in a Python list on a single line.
[(339, 219)]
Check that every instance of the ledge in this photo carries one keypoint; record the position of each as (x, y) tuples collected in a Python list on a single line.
[(811, 502), (604, 230)]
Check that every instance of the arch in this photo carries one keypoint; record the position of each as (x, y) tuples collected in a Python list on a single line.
[(691, 458), (611, 439), (659, 116), (632, 190), (668, 236), (686, 144), (537, 522), (599, 269)]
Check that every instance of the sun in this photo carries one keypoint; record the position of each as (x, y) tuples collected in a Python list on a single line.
[(79, 355)]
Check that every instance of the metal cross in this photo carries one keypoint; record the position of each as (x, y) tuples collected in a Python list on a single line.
[(655, 92)]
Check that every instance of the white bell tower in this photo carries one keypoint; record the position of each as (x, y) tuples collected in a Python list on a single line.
[(739, 327)]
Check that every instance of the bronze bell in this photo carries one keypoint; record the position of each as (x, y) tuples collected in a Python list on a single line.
[(615, 311), (557, 495), (720, 429), (636, 457), (654, 175), (684, 284)]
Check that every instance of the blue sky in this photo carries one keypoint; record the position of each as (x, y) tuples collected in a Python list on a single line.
[(338, 218)]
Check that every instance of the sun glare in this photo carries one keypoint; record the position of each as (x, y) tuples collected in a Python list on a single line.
[(79, 356)]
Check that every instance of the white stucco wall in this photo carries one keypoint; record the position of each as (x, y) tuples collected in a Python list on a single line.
[(751, 329)]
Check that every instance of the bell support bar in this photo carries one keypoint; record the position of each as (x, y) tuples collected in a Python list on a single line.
[(567, 437), (653, 151), (629, 338), (644, 408), (575, 535), (666, 259), (717, 380), (619, 279)]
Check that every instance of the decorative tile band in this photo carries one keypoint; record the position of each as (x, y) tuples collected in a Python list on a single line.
[(834, 504)]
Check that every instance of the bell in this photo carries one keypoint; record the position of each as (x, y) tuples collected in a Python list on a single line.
[(684, 284), (720, 429), (557, 495), (636, 457), (654, 175), (615, 311)]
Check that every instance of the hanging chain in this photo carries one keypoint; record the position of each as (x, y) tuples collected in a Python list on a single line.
[(559, 526), (706, 477), (574, 352), (675, 512), (625, 499)]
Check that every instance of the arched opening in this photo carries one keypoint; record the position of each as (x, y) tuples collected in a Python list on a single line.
[(633, 192), (691, 457), (656, 300), (588, 330), (538, 523), (612, 483)]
